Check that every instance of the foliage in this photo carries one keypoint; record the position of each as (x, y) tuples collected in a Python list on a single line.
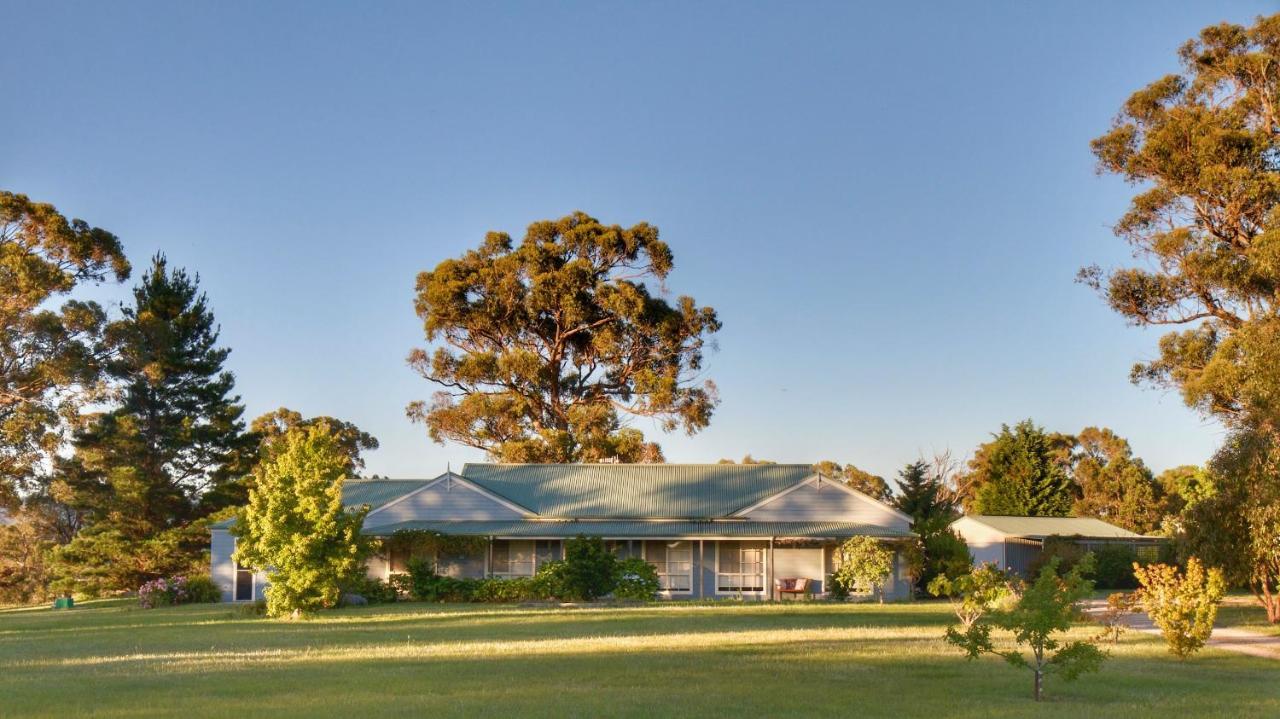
[(508, 591), (167, 591), (543, 348), (869, 484), (1237, 529), (923, 494), (24, 574), (977, 592), (374, 591), (746, 459), (1182, 605), (1046, 608), (588, 571), (1023, 471), (427, 586), (1064, 553), (1112, 619), (103, 559), (1202, 146), (426, 543), (166, 454), (862, 563), (50, 357), (637, 580), (1114, 485), (267, 429), (295, 528)]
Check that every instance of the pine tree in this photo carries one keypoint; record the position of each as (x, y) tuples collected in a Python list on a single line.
[(921, 494), (1023, 471), (149, 466)]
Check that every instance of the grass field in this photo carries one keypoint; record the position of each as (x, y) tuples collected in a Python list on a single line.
[(114, 660)]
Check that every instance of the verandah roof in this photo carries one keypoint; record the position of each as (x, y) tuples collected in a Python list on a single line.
[(644, 530)]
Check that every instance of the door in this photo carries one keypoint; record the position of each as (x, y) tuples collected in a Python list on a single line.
[(799, 563)]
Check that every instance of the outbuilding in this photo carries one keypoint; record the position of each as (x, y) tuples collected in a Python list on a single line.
[(1016, 542)]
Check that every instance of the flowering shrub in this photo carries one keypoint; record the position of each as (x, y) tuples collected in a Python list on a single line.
[(166, 591)]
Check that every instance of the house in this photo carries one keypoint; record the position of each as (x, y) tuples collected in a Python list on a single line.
[(719, 530), (1015, 542)]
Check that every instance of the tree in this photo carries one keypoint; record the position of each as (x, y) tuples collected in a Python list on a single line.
[(545, 349), (1022, 471), (1236, 529), (862, 563), (922, 494), (869, 484), (746, 459), (1184, 486), (1045, 609), (155, 462), (1204, 228), (295, 528), (1182, 605), (50, 358), (269, 428), (1114, 485)]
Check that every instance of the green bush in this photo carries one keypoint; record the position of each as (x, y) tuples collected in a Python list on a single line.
[(589, 570), (427, 586), (1115, 567), (507, 591), (1066, 550), (201, 589), (375, 591), (636, 580)]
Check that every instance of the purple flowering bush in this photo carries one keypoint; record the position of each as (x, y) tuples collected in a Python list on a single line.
[(167, 591)]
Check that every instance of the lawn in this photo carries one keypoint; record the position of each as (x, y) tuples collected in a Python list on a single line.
[(114, 660), (1244, 612)]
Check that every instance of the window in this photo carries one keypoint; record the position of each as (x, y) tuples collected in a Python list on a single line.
[(674, 563), (620, 548), (513, 558), (740, 567), (244, 583)]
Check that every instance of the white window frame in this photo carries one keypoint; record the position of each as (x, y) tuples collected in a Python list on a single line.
[(644, 553), (764, 571)]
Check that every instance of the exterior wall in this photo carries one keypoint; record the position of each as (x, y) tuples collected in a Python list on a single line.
[(826, 501), (443, 500), (985, 543), (221, 567)]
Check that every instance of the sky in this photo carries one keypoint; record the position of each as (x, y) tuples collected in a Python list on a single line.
[(885, 203)]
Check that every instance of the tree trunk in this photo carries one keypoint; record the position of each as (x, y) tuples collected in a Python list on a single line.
[(1039, 683)]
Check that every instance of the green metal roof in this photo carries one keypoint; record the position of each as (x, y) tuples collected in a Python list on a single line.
[(356, 492), (637, 530), (621, 491), (1041, 527)]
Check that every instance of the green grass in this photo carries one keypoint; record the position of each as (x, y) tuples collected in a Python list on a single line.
[(1242, 611), (111, 659)]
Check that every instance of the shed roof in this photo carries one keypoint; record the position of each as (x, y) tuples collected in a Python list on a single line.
[(621, 491), (1041, 527)]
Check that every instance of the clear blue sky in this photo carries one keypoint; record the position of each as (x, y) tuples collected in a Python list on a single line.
[(886, 204)]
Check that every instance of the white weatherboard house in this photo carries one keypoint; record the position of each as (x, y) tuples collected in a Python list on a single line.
[(1015, 542), (713, 530)]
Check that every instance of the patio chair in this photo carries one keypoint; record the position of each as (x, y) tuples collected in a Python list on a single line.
[(795, 586)]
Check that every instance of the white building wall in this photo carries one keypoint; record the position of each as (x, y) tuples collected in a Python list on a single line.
[(986, 544)]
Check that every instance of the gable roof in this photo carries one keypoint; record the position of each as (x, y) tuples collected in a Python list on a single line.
[(1041, 527), (620, 491), (631, 529), (356, 492)]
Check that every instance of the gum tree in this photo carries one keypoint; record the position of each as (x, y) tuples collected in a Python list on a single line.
[(544, 349)]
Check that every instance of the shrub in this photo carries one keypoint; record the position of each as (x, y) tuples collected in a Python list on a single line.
[(167, 591), (636, 579), (589, 570), (1183, 606), (374, 591), (1066, 550), (1115, 567), (863, 562), (427, 586), (507, 591), (1119, 604)]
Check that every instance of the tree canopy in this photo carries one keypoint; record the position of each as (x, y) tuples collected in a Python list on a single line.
[(1114, 485), (869, 484), (1023, 470), (545, 349), (1203, 145), (50, 358), (271, 427)]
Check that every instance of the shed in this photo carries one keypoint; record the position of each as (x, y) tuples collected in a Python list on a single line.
[(1016, 542)]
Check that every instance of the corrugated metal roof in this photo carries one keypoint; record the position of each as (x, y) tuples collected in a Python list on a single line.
[(1041, 527), (355, 492), (636, 490), (636, 530)]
